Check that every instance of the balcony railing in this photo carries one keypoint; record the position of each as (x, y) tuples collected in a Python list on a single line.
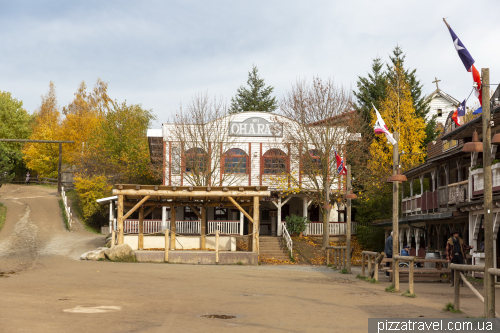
[(430, 201), (315, 228)]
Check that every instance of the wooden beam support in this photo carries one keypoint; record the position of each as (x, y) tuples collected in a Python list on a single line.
[(137, 205), (141, 228), (195, 211), (120, 220), (256, 224), (203, 227), (173, 227), (241, 210)]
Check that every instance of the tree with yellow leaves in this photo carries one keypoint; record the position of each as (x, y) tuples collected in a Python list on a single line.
[(83, 115), (42, 157), (399, 115)]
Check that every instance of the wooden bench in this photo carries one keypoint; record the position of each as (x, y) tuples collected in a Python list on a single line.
[(423, 272)]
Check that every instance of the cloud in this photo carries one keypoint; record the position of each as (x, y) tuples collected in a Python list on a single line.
[(161, 53)]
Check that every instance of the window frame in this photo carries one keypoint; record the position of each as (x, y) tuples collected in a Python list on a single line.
[(269, 155), (241, 154), (190, 155)]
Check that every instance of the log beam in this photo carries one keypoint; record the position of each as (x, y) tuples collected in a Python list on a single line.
[(241, 210), (194, 194), (137, 205)]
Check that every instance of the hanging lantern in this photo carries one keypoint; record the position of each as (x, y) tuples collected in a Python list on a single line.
[(350, 196), (475, 146), (398, 177), (496, 139)]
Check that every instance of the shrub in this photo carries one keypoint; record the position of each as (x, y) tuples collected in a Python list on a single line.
[(89, 189), (296, 224)]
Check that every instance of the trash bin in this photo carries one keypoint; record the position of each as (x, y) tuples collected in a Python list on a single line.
[(431, 255)]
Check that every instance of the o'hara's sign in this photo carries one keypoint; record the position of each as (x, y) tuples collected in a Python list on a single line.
[(255, 126)]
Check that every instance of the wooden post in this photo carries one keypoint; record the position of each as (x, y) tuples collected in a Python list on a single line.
[(375, 272), (395, 270), (327, 257), (489, 280), (203, 228), (456, 281), (256, 225), (167, 245), (113, 237), (362, 264), (141, 228), (120, 220), (217, 246), (395, 211), (59, 166), (172, 227), (344, 258), (348, 223), (410, 278), (369, 264)]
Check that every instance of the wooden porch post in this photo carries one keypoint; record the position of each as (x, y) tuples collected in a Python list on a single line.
[(256, 224), (141, 228), (203, 227), (120, 219), (172, 227)]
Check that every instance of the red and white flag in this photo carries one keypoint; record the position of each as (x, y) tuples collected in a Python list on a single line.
[(381, 128)]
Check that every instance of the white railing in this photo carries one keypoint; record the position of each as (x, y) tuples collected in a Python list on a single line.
[(288, 239), (150, 226), (187, 227), (224, 227), (69, 215), (335, 228)]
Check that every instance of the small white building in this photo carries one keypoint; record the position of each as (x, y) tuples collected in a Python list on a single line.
[(440, 104)]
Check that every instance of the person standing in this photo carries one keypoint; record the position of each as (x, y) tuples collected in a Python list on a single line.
[(455, 253), (28, 178), (388, 251)]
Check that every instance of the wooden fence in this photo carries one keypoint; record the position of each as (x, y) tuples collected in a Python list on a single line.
[(44, 181)]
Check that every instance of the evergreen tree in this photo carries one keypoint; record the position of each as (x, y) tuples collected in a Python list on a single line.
[(419, 103), (371, 90), (257, 97)]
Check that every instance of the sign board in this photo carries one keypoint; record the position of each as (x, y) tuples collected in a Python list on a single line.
[(255, 126), (457, 194)]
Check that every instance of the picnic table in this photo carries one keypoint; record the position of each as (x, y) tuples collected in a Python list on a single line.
[(419, 271)]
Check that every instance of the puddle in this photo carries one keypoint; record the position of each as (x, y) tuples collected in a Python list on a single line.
[(93, 309)]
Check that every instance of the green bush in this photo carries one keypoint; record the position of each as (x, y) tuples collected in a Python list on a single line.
[(296, 224)]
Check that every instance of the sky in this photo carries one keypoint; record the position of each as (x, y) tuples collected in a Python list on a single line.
[(161, 53)]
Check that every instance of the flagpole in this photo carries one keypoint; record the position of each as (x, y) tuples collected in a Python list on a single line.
[(395, 210), (446, 23)]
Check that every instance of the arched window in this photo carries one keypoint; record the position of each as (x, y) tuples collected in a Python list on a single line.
[(274, 162), (311, 161), (195, 160), (235, 161)]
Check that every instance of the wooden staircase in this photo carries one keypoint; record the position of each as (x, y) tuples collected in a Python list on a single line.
[(273, 247)]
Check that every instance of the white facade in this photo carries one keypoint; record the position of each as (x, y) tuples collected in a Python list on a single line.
[(441, 104), (254, 133)]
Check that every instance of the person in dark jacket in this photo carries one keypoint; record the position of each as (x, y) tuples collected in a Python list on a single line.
[(455, 252), (388, 251)]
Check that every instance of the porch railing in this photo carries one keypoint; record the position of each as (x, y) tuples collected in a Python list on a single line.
[(315, 228), (224, 227), (288, 239), (182, 227)]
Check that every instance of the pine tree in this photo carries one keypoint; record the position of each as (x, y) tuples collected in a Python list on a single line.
[(257, 97), (371, 90), (419, 103)]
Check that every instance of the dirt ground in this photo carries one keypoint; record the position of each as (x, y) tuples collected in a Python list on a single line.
[(46, 289)]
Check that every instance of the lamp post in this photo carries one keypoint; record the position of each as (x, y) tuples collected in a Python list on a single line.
[(349, 196), (395, 179), (476, 147)]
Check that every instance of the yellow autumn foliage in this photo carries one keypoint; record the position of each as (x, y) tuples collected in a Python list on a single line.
[(399, 115), (89, 189), (42, 157)]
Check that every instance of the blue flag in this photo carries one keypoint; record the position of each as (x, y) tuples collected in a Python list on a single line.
[(462, 51), (478, 111), (461, 109)]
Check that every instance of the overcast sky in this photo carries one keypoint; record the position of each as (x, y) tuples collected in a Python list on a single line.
[(160, 53)]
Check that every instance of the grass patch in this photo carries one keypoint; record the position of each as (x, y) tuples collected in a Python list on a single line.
[(3, 215), (330, 265), (366, 278), (474, 280), (391, 289), (63, 213), (343, 271), (407, 294), (239, 263), (77, 210), (450, 307)]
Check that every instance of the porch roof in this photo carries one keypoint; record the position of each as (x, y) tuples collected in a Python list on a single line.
[(416, 218)]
